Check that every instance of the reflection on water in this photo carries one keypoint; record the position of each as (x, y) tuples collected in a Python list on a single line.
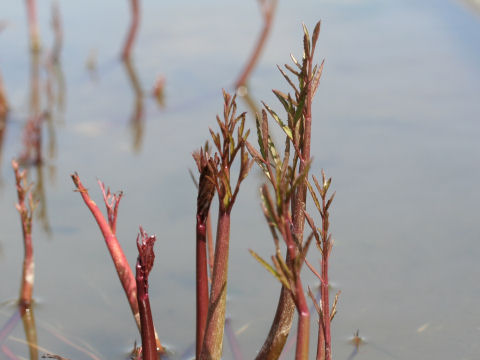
[(395, 126)]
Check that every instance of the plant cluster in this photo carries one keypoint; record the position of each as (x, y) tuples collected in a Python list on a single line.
[(283, 197)]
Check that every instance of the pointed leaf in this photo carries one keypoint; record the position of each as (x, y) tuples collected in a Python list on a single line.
[(284, 127)]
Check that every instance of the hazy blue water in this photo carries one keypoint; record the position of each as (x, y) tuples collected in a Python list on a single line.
[(396, 126)]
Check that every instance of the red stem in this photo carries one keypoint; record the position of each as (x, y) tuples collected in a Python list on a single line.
[(202, 284), (213, 340), (135, 6), (303, 333), (144, 265), (124, 272), (324, 283), (326, 307)]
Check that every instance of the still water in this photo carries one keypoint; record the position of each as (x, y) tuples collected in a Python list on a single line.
[(395, 125)]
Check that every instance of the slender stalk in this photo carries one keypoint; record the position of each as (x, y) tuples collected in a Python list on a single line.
[(144, 265), (213, 340), (132, 32), (24, 195), (324, 243)]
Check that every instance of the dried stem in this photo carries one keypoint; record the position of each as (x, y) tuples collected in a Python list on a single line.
[(144, 265), (25, 207), (268, 10), (108, 229)]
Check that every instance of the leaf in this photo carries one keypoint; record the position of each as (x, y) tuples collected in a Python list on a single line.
[(259, 138), (283, 99), (295, 61), (316, 78), (216, 139), (290, 82), (268, 203), (316, 32), (301, 104), (268, 267), (306, 42), (284, 127), (293, 71), (314, 196), (329, 202), (274, 152), (301, 177)]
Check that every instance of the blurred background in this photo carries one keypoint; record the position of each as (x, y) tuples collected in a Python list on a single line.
[(396, 125)]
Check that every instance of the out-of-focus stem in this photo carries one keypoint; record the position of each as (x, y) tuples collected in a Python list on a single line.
[(213, 340), (3, 100), (28, 273), (33, 25), (28, 319), (132, 32), (144, 265), (268, 12)]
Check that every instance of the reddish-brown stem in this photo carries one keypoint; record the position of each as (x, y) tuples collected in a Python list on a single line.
[(213, 339), (132, 32), (202, 283), (324, 283), (303, 331), (144, 265), (268, 12), (124, 272)]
